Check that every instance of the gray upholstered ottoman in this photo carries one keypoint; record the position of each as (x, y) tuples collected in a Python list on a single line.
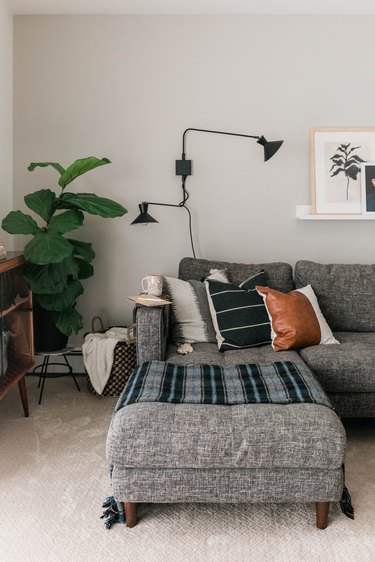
[(247, 453)]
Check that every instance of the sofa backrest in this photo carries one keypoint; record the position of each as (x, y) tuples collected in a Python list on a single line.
[(345, 292), (279, 275)]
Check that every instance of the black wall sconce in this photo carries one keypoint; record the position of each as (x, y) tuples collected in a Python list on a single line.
[(183, 169)]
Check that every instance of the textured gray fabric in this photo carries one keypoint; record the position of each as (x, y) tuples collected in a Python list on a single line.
[(346, 293), (160, 435), (226, 485), (354, 405), (151, 332), (345, 372), (209, 353), (278, 274), (348, 367)]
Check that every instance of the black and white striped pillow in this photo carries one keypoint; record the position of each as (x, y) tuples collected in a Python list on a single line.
[(238, 314)]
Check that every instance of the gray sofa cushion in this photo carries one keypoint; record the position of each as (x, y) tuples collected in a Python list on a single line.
[(346, 293), (348, 367), (209, 353), (354, 404), (246, 436), (278, 274)]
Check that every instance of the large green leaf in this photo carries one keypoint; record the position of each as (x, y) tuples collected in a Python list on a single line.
[(54, 165), (63, 300), (51, 278), (68, 321), (86, 270), (65, 222), (47, 247), (82, 249), (94, 205), (80, 167), (46, 279), (41, 202), (71, 267), (17, 222)]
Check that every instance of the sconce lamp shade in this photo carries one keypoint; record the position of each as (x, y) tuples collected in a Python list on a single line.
[(143, 217), (270, 147)]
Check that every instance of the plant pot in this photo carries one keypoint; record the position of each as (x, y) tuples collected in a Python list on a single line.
[(46, 336)]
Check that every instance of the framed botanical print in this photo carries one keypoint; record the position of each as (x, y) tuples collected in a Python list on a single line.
[(337, 156)]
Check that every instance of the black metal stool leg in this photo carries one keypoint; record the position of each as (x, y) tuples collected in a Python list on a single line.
[(71, 371), (41, 370), (43, 373), (47, 363)]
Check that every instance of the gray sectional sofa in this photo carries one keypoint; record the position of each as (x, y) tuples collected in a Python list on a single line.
[(254, 452), (346, 295)]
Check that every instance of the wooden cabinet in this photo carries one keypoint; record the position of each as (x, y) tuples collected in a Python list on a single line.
[(16, 327)]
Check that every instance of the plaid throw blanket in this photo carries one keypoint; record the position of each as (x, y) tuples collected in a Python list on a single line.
[(281, 382)]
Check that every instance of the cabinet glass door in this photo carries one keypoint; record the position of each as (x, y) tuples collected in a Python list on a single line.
[(15, 325)]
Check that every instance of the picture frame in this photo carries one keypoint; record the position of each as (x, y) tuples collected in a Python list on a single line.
[(368, 187), (336, 158)]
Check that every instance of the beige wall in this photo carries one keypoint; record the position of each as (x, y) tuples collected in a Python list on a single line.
[(6, 92), (126, 87)]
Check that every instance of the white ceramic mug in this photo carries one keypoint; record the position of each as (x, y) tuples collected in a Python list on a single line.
[(153, 284)]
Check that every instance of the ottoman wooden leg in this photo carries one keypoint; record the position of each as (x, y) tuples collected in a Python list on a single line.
[(322, 509), (130, 514)]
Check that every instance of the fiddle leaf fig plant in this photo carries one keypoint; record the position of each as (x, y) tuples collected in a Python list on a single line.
[(56, 264)]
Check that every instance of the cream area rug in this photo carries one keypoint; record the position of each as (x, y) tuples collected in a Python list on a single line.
[(53, 478)]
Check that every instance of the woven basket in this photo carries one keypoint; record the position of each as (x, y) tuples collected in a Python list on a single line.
[(124, 362)]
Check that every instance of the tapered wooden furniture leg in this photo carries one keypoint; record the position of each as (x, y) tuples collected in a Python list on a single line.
[(322, 509), (23, 394), (130, 514)]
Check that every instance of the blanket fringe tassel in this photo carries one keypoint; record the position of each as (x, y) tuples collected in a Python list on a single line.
[(346, 504), (114, 512)]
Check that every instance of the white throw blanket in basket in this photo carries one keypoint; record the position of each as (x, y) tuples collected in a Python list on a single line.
[(97, 352)]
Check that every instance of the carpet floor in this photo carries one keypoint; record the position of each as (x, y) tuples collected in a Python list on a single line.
[(53, 478)]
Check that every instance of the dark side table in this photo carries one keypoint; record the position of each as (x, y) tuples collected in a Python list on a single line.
[(47, 362)]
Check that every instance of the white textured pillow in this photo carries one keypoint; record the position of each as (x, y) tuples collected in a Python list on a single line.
[(191, 319), (326, 332)]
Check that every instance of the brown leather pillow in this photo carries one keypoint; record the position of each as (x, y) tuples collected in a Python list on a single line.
[(296, 319)]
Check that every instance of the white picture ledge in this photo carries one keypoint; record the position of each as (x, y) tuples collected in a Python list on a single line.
[(303, 212)]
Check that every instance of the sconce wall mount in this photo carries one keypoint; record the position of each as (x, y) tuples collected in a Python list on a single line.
[(184, 169)]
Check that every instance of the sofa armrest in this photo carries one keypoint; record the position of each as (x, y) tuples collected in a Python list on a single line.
[(151, 332)]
